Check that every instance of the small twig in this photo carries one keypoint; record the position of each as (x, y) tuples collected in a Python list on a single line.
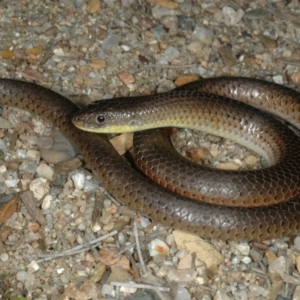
[(100, 239), (124, 249), (118, 294), (105, 276), (116, 202), (259, 271), (63, 254), (237, 6), (289, 61), (262, 269), (163, 66), (292, 42), (286, 283), (151, 235), (200, 286), (262, 272), (95, 252), (138, 248), (296, 274), (290, 279), (1, 247), (78, 249), (133, 264), (159, 293), (140, 286), (282, 16)]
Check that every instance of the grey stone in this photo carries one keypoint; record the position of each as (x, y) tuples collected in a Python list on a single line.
[(144, 295)]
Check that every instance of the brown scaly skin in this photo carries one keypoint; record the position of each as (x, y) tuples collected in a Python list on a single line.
[(212, 114), (144, 196)]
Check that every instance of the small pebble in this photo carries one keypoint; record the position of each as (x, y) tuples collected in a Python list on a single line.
[(110, 42), (185, 262), (33, 154), (258, 290), (203, 35), (61, 150), (186, 6), (278, 265), (278, 79), (128, 290), (40, 187), (182, 294), (126, 78), (33, 266), (186, 23), (236, 260), (246, 260), (47, 202), (297, 243), (280, 244), (256, 14), (45, 171), (298, 263), (78, 180), (221, 295), (159, 12), (22, 276), (93, 6), (4, 257), (6, 198), (145, 222), (90, 185), (28, 166), (145, 294), (157, 247), (12, 182), (227, 166), (251, 160), (230, 16), (3, 169), (271, 256), (60, 270), (171, 23), (242, 249), (171, 53), (182, 275), (267, 41)]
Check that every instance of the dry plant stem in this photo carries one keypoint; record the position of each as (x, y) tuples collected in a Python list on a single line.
[(159, 293), (290, 279), (138, 248), (95, 252), (283, 16), (63, 254), (259, 272), (133, 264), (289, 61), (200, 286), (126, 248), (163, 66), (78, 249), (140, 286)]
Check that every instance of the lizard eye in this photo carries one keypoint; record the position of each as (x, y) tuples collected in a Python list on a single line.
[(100, 119)]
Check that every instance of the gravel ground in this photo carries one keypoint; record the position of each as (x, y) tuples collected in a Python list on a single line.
[(71, 240)]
